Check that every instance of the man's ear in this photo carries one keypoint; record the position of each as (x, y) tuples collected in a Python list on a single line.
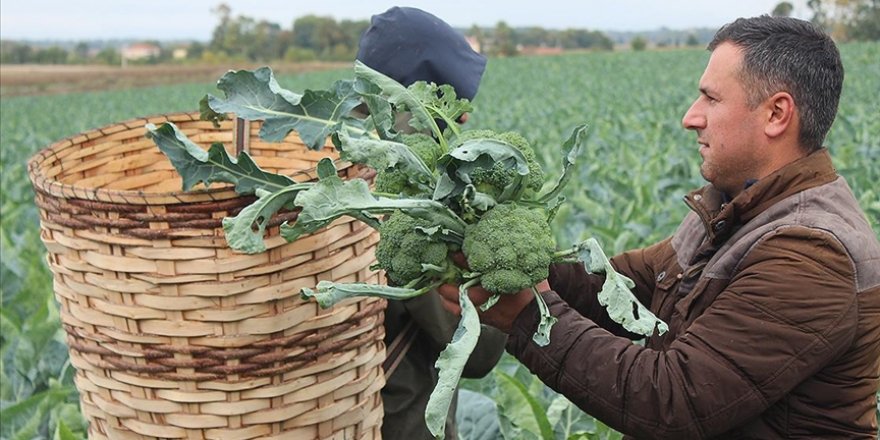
[(781, 114)]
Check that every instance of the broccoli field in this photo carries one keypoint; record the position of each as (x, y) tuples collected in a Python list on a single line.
[(626, 192)]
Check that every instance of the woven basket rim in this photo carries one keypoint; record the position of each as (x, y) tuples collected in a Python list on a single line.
[(55, 188)]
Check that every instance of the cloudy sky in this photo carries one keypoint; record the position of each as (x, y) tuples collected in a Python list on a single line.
[(193, 19)]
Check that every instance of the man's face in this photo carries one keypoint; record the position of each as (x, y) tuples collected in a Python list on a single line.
[(729, 133)]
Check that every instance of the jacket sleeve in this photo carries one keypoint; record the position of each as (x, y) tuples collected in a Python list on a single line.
[(579, 288), (787, 312), (432, 319)]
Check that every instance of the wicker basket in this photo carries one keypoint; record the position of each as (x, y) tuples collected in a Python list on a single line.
[(173, 334)]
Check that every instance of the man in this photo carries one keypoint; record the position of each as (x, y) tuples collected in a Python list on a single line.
[(410, 45), (770, 287)]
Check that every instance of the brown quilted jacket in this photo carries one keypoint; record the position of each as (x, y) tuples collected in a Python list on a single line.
[(773, 307)]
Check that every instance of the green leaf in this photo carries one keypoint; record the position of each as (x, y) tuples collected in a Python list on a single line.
[(328, 293), (62, 432), (441, 102), (451, 363), (382, 155), (381, 113), (476, 416), (206, 113), (456, 167), (245, 231), (256, 95), (574, 145), (521, 408), (542, 333), (331, 198), (196, 165), (405, 99), (616, 295)]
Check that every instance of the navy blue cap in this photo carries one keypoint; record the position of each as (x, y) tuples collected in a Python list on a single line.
[(409, 45)]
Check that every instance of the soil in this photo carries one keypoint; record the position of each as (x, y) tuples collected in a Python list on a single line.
[(23, 80)]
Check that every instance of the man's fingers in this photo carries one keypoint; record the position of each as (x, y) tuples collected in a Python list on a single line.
[(460, 260), (449, 293)]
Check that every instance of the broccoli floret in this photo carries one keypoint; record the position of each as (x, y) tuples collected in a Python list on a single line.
[(511, 246), (402, 250), (492, 181), (393, 181)]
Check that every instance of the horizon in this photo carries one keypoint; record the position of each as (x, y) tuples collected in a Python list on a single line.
[(54, 20)]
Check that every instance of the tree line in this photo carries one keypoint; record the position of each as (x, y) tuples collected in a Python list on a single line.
[(317, 38)]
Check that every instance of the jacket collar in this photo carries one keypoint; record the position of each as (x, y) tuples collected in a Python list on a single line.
[(722, 216)]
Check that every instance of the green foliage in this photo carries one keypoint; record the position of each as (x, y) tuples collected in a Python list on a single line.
[(524, 408)]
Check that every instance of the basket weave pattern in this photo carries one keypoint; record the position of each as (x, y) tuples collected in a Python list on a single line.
[(173, 334)]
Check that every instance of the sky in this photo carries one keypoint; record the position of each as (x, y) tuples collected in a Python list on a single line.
[(193, 19)]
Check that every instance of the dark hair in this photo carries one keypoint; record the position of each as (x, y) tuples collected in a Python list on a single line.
[(794, 56)]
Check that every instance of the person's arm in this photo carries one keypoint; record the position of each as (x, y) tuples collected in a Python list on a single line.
[(778, 322)]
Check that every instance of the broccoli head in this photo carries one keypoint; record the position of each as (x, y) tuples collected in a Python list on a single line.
[(493, 181), (402, 250), (393, 181), (511, 246)]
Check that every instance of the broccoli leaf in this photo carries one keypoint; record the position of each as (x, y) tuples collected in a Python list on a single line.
[(381, 114), (574, 144), (215, 165), (457, 166), (451, 363), (425, 102), (206, 113), (381, 155), (441, 102), (328, 293), (315, 115), (542, 333), (616, 295), (244, 232), (331, 197)]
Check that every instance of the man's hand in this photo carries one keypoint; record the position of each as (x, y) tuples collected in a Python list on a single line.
[(500, 315)]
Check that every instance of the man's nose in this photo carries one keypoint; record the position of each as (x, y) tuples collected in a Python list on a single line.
[(693, 119)]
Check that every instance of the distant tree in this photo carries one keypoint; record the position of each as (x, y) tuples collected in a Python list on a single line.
[(221, 38), (534, 36), (109, 56), (195, 50), (12, 52), (319, 34), (352, 31), (638, 43), (51, 55), (298, 54), (476, 33), (783, 9), (848, 19), (865, 23), (80, 52), (692, 40), (504, 40)]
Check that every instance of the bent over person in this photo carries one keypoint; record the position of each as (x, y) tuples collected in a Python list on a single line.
[(770, 286), (410, 45)]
